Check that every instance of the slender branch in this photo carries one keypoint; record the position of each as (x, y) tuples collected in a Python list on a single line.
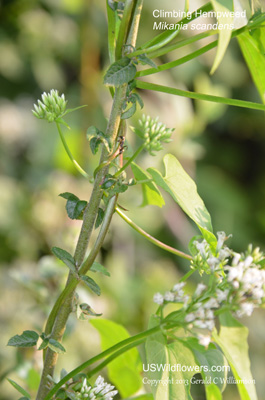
[(179, 61), (187, 275), (138, 151), (77, 166), (151, 238), (200, 96)]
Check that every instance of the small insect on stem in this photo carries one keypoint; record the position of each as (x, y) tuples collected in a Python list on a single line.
[(122, 147)]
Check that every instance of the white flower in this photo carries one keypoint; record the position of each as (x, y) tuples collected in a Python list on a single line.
[(248, 261), (236, 258), (221, 239), (209, 314), (235, 272), (200, 324), (209, 324), (158, 298), (212, 262), (200, 313), (190, 317), (245, 309), (211, 303), (169, 296), (221, 295), (224, 253), (258, 294), (200, 288), (202, 247), (100, 391), (204, 340), (178, 286)]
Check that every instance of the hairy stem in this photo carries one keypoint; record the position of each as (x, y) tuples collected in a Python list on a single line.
[(63, 307), (151, 238)]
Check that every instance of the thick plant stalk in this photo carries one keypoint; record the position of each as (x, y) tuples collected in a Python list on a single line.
[(65, 306)]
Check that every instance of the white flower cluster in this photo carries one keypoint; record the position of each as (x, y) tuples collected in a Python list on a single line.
[(248, 279), (51, 107), (101, 390), (176, 295), (206, 256)]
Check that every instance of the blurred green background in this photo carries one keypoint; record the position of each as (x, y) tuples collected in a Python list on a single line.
[(61, 44)]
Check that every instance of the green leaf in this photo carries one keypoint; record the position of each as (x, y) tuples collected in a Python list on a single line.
[(143, 59), (232, 339), (27, 339), (136, 97), (65, 257), (95, 138), (87, 310), (74, 206), (97, 267), (184, 191), (200, 96), (55, 346), (151, 193), (253, 49), (44, 344), (160, 353), (225, 18), (122, 71), (209, 359), (24, 398), (100, 217), (91, 284), (130, 112), (19, 388), (125, 371)]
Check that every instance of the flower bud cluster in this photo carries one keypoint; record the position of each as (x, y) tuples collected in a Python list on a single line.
[(51, 107), (176, 295), (208, 261), (101, 390), (154, 133)]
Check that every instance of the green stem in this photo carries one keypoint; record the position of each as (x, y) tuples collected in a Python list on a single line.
[(124, 27), (187, 6), (85, 266), (77, 166), (151, 238), (177, 62), (164, 38), (64, 305), (117, 349), (138, 151), (187, 275), (199, 96)]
